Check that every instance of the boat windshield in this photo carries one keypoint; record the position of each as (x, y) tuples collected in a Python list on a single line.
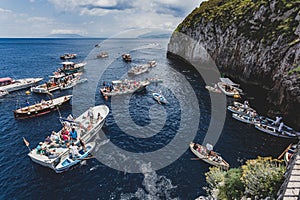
[(5, 81)]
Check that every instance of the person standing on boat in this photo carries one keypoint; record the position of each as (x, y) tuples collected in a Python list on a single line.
[(91, 115), (73, 134), (280, 127), (277, 120), (74, 151)]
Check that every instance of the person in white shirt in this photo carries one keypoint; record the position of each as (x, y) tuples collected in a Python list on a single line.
[(74, 151)]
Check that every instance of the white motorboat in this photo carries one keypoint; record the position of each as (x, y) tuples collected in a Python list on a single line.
[(8, 84), (159, 98), (208, 156), (228, 87), (87, 128), (212, 89), (59, 81), (120, 87), (102, 55), (67, 56)]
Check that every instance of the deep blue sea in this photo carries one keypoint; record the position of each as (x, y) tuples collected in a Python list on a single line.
[(184, 178)]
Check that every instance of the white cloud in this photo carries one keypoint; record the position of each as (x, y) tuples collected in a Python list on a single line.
[(5, 11), (66, 31)]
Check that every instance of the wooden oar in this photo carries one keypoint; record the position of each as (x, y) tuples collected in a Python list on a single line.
[(282, 154), (86, 158)]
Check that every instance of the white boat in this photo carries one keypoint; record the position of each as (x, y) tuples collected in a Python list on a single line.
[(126, 57), (68, 161), (8, 84), (208, 156), (155, 80), (71, 84), (228, 87), (246, 118), (139, 69), (159, 98), (59, 81), (274, 130), (41, 108), (212, 89), (120, 87), (67, 56), (87, 128), (71, 67), (102, 55), (3, 93)]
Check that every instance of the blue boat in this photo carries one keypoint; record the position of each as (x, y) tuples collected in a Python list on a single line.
[(68, 162), (159, 98)]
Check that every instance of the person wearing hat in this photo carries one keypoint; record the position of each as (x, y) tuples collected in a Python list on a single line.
[(39, 148)]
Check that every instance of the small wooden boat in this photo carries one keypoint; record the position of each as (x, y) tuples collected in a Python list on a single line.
[(159, 98), (67, 162), (120, 87), (85, 130), (3, 93), (102, 55), (246, 118), (212, 89), (68, 56), (208, 156), (126, 57), (41, 108), (286, 131), (228, 87), (8, 84)]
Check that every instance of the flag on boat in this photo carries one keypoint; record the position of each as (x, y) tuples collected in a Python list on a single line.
[(26, 142)]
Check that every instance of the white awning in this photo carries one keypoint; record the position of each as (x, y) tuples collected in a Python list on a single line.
[(228, 81)]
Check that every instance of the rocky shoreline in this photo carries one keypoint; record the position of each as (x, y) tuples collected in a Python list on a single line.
[(256, 44)]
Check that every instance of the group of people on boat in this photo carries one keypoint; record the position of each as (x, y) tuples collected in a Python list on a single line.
[(120, 87)]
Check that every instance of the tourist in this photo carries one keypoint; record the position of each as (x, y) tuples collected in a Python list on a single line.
[(82, 144), (73, 134), (91, 114), (39, 148), (54, 137), (74, 151), (280, 127), (99, 117), (277, 120)]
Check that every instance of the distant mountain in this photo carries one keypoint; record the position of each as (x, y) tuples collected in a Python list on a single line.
[(65, 36), (156, 35)]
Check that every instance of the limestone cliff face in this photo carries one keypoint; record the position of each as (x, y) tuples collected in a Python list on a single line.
[(254, 41)]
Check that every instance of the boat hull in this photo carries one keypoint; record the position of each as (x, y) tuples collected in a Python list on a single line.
[(21, 84), (41, 109)]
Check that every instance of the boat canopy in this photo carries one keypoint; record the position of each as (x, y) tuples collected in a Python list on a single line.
[(6, 79), (67, 63), (228, 81)]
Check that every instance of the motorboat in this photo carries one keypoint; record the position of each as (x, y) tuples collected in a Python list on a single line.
[(8, 84), (120, 87), (41, 108), (159, 98), (137, 70), (228, 87), (86, 128), (208, 156), (212, 89), (71, 67), (68, 56), (126, 57), (68, 161), (102, 55), (59, 81)]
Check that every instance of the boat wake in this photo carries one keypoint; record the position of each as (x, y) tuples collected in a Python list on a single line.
[(154, 186)]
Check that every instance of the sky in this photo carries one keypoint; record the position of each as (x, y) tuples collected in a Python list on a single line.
[(91, 18)]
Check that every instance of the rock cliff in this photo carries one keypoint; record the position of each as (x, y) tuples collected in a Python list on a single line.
[(253, 41)]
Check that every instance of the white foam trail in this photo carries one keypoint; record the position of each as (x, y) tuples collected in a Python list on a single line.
[(156, 187)]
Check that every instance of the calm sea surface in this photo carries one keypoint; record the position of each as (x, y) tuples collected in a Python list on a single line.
[(20, 178)]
